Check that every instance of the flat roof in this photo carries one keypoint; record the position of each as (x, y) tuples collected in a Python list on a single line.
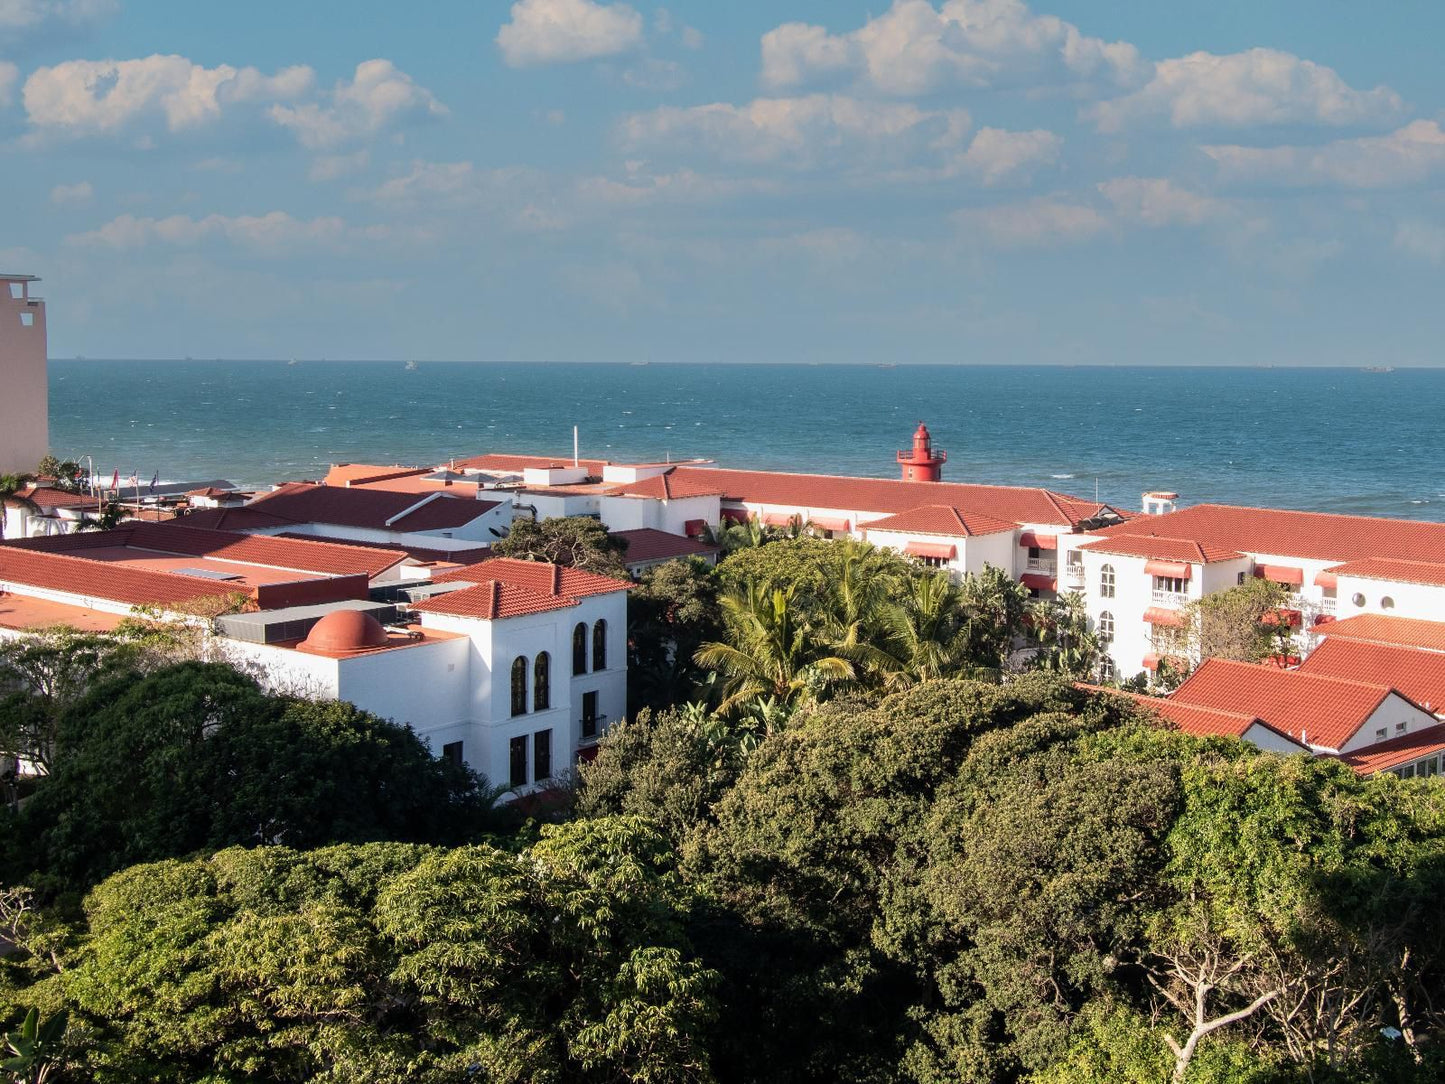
[(234, 574), (28, 614), (19, 278)]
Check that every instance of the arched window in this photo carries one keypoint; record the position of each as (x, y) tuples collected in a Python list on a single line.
[(1106, 628), (599, 646), (1106, 668), (1106, 581), (579, 649), (519, 685), (1387, 603), (542, 682)]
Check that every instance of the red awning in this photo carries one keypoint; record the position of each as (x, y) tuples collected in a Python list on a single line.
[(1290, 577), (1324, 619), (779, 519), (1039, 582), (1030, 540), (1328, 580), (937, 550), (736, 515), (828, 523), (1176, 569), (1152, 661), (1291, 618), (1158, 615), (694, 527)]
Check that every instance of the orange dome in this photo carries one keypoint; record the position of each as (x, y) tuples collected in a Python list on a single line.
[(343, 631)]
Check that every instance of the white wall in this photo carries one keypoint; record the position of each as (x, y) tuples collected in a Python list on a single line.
[(1410, 599), (1394, 712)]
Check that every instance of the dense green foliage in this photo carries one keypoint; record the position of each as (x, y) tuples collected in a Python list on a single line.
[(194, 756), (574, 541)]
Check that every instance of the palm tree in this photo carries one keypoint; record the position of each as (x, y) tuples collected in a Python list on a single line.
[(1066, 644), (925, 639), (740, 536), (770, 654)]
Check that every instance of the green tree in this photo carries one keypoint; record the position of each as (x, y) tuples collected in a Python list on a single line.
[(994, 605), (574, 541), (1065, 644), (1234, 624), (924, 638), (670, 614)]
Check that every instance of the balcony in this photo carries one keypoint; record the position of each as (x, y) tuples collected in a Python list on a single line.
[(1074, 577), (1327, 604), (591, 729), (1038, 564), (1169, 598)]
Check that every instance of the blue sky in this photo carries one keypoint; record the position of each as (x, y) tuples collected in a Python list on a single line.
[(940, 181)]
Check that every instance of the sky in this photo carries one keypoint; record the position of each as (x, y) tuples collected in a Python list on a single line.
[(939, 181)]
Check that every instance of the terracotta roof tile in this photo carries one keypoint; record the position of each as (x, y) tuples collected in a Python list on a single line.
[(1013, 504), (306, 502), (492, 600), (48, 497), (1192, 718), (243, 518), (647, 544), (427, 554), (1183, 550), (1394, 570), (1418, 674), (939, 519), (1380, 629), (1396, 751), (498, 461), (670, 485), (536, 576), (96, 579), (1321, 536), (350, 474), (1329, 710)]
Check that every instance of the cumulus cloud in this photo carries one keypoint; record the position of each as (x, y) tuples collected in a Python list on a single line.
[(1157, 201), (998, 156), (1406, 156), (1034, 223), (564, 31), (914, 48), (1259, 86), (269, 233), (683, 186), (807, 132), (64, 195), (99, 97), (517, 198), (330, 167), (378, 97)]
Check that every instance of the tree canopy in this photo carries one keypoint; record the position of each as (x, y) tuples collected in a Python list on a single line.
[(574, 541)]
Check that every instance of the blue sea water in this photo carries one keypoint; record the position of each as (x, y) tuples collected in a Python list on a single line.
[(1323, 439)]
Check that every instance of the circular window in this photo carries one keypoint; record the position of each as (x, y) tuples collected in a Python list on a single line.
[(1358, 599), (1387, 603)]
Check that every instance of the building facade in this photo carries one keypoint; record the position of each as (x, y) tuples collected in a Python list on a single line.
[(25, 404)]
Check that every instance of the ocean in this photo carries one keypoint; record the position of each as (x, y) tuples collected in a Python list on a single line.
[(1339, 440)]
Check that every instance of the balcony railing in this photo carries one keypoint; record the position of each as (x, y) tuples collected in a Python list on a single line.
[(1038, 564), (1327, 605), (591, 729), (1074, 576), (1170, 598)]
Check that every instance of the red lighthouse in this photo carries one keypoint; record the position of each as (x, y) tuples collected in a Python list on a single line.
[(924, 463)]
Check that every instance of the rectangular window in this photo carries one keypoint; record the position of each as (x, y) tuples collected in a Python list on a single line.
[(1431, 767), (452, 751), (589, 715), (1033, 553), (1239, 580), (17, 290), (519, 761), (27, 319), (541, 756), (1175, 584), (1400, 728), (1407, 772), (1381, 734)]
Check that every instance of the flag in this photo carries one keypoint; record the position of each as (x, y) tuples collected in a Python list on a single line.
[(156, 477), (115, 479), (134, 479)]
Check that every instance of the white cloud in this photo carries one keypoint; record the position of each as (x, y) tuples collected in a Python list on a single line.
[(378, 97), (9, 76), (1406, 156), (914, 47), (682, 186), (1259, 86), (98, 97), (562, 31), (1032, 224), (517, 198), (997, 156), (1157, 201), (1423, 240), (330, 167), (63, 195), (806, 132), (22, 19), (271, 233)]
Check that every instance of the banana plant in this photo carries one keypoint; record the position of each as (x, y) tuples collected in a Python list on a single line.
[(34, 1050)]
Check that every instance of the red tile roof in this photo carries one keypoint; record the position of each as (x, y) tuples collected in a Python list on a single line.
[(646, 544), (498, 461), (670, 485), (939, 519), (1418, 674), (243, 518), (1013, 504), (47, 497), (306, 502), (1183, 550), (350, 474), (1380, 629), (97, 579), (1320, 536), (178, 537), (493, 600), (1191, 718), (1397, 751), (1395, 570), (538, 576), (426, 554), (1329, 710)]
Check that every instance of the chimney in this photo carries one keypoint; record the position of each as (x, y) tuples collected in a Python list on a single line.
[(1159, 502)]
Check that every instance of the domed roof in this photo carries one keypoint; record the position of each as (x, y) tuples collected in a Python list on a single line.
[(344, 631)]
